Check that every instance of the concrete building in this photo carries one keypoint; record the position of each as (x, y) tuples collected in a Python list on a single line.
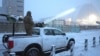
[(12, 7)]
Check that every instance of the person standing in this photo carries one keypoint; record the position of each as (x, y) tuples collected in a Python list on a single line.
[(28, 23)]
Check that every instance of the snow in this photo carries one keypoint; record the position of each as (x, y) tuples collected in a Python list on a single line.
[(79, 46), (88, 34), (79, 52)]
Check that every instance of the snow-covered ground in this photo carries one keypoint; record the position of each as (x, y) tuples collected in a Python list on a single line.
[(81, 52), (79, 46)]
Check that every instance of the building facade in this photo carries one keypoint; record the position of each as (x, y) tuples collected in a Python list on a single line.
[(12, 7)]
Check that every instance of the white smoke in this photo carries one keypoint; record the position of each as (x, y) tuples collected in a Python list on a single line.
[(67, 12)]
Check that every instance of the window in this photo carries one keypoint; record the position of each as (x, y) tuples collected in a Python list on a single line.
[(19, 11), (57, 32), (48, 32), (20, 1), (36, 32), (19, 6)]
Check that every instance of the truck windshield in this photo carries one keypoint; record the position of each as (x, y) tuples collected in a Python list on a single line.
[(36, 31)]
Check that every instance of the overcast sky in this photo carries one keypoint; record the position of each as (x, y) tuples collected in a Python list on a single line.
[(48, 8)]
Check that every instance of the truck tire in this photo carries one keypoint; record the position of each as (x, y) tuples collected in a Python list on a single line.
[(32, 52), (70, 44)]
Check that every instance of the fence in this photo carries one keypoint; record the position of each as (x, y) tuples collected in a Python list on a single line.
[(74, 28), (7, 27)]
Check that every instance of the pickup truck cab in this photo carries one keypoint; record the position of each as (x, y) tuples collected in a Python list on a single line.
[(39, 43)]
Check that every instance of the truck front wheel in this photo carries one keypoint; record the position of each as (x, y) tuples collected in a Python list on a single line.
[(70, 45), (33, 52)]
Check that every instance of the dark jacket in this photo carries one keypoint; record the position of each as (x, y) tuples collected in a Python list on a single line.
[(28, 23)]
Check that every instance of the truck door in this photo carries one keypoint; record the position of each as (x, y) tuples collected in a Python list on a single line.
[(60, 38), (48, 40)]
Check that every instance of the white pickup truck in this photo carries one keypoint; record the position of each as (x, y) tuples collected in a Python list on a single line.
[(39, 43)]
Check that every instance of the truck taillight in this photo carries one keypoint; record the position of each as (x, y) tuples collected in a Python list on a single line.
[(10, 44)]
